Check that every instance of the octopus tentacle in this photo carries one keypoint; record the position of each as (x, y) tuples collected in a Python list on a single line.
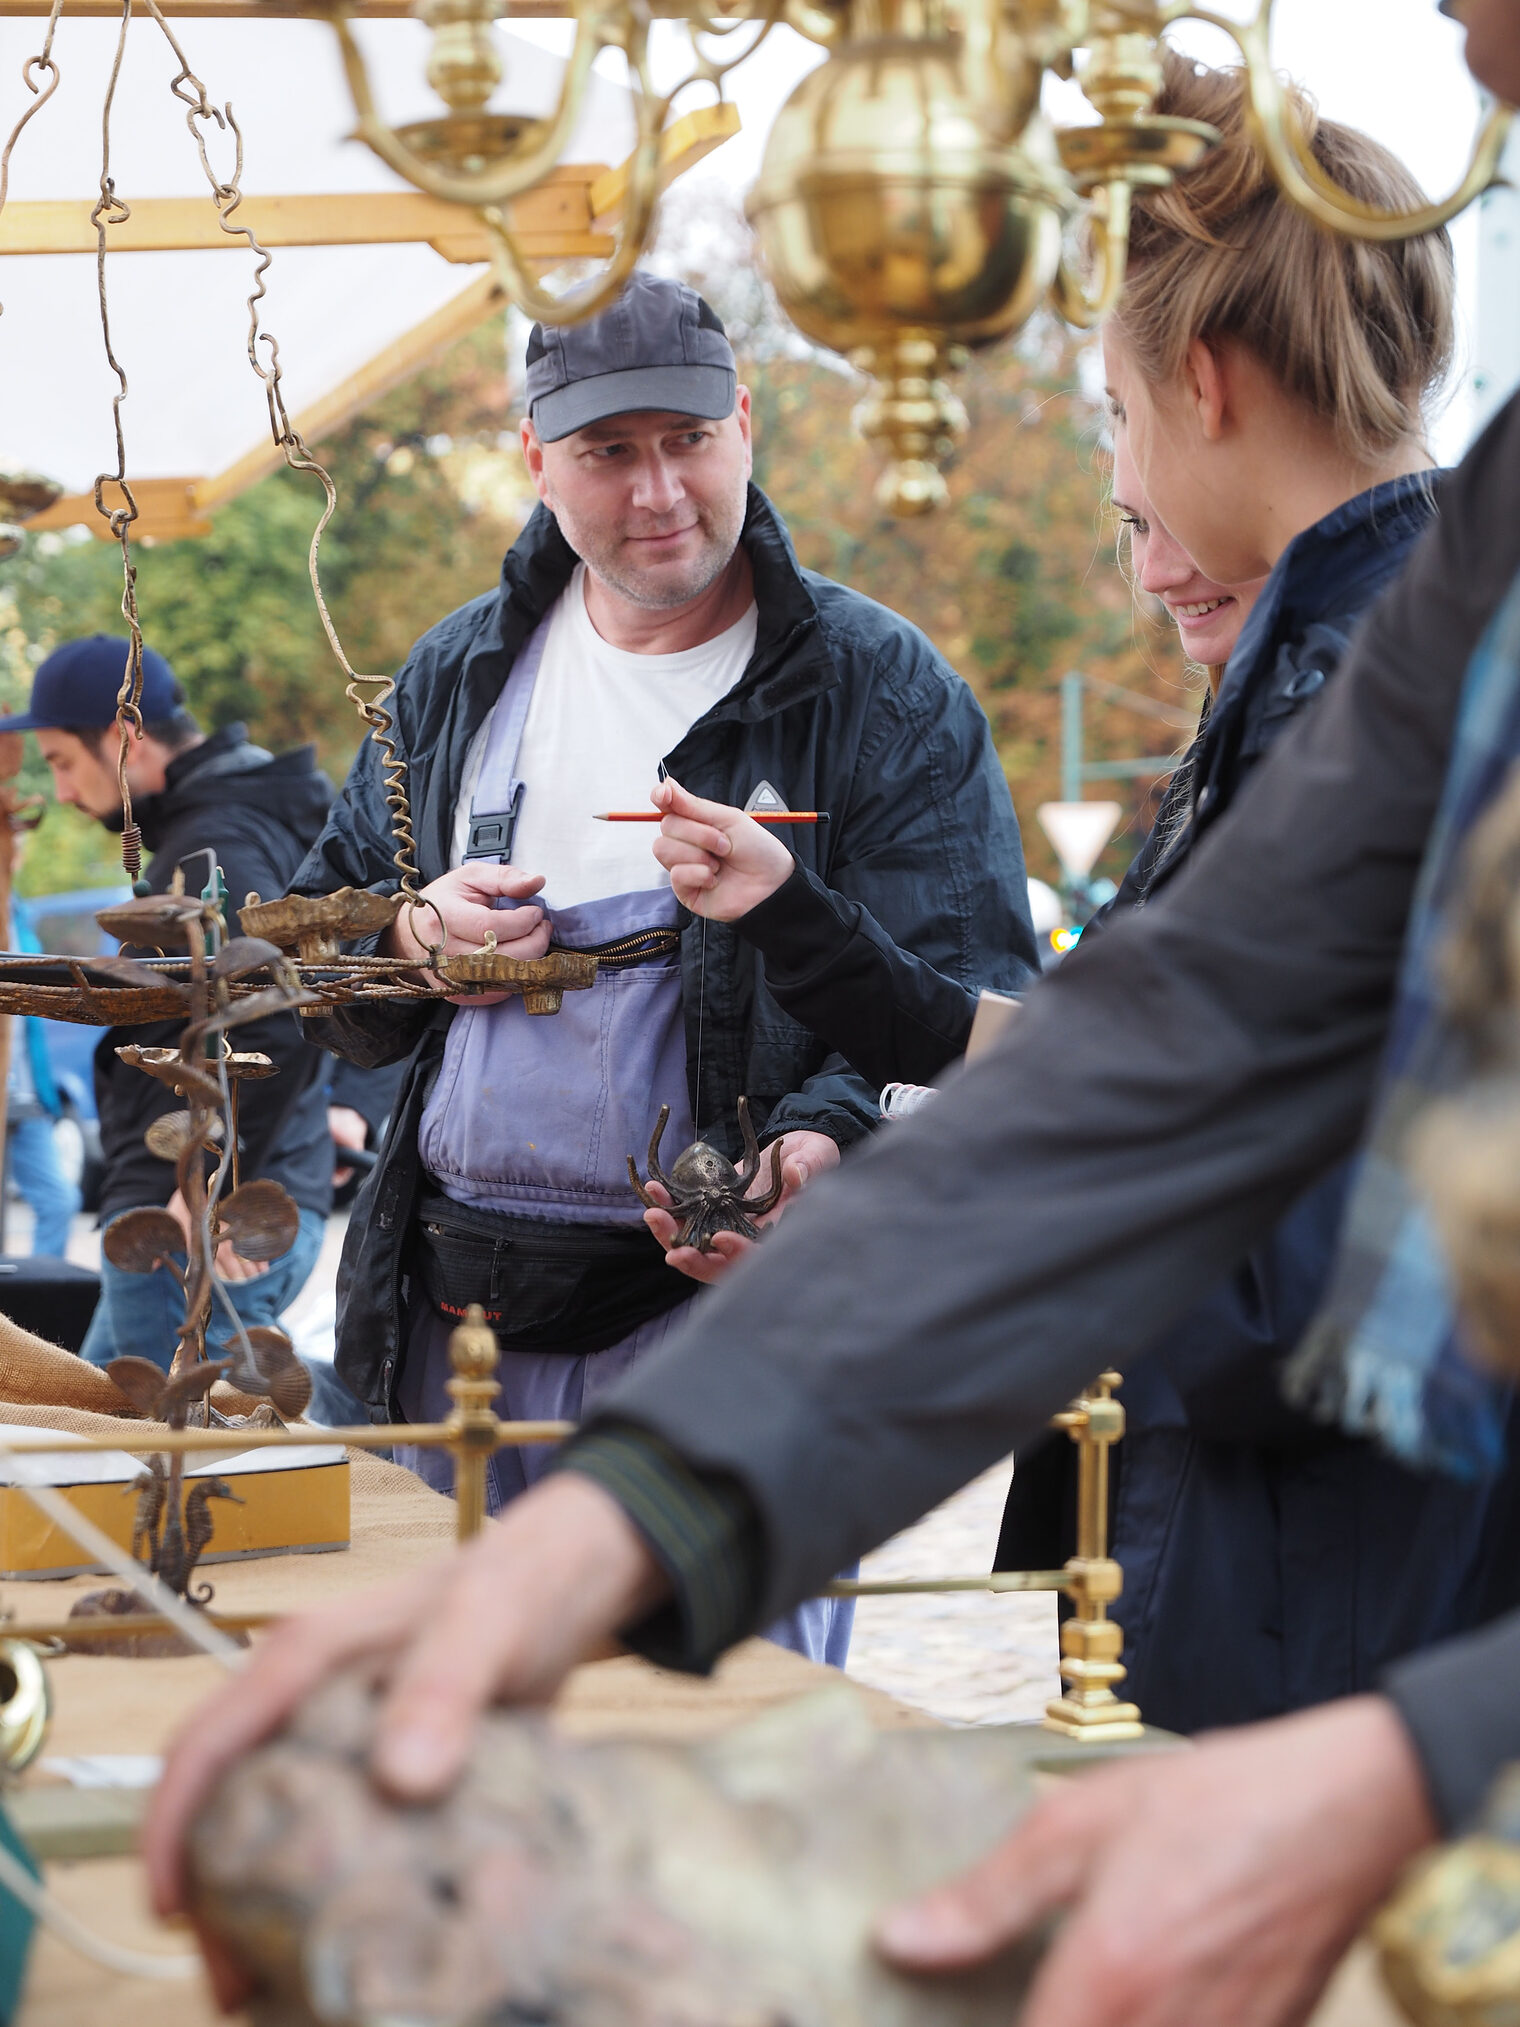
[(756, 1207), (749, 1168), (656, 1173)]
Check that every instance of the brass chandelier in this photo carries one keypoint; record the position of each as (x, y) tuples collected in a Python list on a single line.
[(913, 201)]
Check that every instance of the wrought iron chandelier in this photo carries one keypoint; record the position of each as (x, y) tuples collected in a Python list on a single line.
[(913, 201)]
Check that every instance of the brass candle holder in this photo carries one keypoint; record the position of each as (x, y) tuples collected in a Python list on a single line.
[(1091, 1643)]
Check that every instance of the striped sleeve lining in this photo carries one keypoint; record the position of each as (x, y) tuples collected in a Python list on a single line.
[(703, 1531)]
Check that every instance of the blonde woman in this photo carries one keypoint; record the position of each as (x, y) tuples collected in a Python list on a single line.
[(1268, 383), (1268, 386)]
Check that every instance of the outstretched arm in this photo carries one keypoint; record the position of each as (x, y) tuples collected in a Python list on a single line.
[(1155, 1110), (890, 1013)]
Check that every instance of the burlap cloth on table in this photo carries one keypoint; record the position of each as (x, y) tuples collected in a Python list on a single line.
[(47, 1376)]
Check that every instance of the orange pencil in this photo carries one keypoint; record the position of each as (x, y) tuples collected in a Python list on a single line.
[(759, 816)]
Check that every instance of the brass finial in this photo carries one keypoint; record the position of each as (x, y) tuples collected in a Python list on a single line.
[(1091, 1642), (473, 1425), (473, 1355)]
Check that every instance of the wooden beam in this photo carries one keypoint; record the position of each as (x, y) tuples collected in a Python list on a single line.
[(167, 511), (283, 10), (405, 356), (170, 509), (308, 10), (554, 220), (682, 145)]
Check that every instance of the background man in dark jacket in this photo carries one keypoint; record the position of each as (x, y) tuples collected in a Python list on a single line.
[(196, 797), (652, 614)]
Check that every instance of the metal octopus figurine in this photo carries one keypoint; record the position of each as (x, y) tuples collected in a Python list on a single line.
[(706, 1191)]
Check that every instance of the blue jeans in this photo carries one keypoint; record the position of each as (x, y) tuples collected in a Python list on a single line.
[(141, 1313), (33, 1157)]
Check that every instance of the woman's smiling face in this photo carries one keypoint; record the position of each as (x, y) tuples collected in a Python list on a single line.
[(1208, 615)]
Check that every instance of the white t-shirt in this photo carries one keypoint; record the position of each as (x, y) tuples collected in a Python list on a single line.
[(600, 723)]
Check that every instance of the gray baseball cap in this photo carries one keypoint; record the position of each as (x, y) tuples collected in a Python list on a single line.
[(659, 346)]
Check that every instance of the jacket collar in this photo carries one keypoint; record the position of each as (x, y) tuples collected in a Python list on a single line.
[(225, 751), (791, 661), (228, 751), (1331, 569)]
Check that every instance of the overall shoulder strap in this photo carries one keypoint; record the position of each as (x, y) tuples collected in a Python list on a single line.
[(497, 801)]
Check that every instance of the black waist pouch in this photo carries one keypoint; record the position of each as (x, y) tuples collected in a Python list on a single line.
[(543, 1286)]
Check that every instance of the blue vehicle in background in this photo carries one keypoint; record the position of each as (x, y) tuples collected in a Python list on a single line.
[(65, 925)]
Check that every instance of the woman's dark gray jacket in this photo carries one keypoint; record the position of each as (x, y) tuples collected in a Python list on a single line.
[(844, 707)]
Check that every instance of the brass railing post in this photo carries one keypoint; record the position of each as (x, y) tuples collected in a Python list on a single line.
[(473, 1424), (1091, 1643)]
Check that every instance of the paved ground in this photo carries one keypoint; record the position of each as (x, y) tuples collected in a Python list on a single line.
[(968, 1659)]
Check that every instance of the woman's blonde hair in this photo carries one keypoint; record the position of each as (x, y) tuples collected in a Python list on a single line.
[(1359, 331)]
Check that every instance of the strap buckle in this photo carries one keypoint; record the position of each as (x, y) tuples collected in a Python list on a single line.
[(492, 832)]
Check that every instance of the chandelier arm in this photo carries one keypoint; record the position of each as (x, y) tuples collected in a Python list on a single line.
[(1086, 300), (708, 69), (815, 21), (1299, 175), (594, 296), (507, 180)]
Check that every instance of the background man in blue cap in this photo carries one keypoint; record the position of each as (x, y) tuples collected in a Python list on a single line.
[(651, 615), (192, 793)]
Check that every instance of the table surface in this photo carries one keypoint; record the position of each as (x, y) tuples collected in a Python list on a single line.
[(105, 1704)]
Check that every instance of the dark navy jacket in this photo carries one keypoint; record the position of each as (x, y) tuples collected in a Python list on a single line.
[(1268, 1563), (259, 812), (844, 707), (1218, 1369)]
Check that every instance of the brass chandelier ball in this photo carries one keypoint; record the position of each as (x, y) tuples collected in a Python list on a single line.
[(897, 227)]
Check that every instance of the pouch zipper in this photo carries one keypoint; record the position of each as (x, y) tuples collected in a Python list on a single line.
[(642, 947)]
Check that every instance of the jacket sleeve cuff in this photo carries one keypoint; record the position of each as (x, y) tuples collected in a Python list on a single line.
[(799, 929), (703, 1531), (1458, 1704)]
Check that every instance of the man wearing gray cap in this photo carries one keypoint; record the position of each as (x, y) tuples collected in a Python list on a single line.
[(651, 616)]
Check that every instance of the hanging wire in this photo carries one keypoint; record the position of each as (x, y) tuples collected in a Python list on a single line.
[(41, 93), (110, 209), (30, 1480), (701, 1012), (69, 1929), (186, 1618), (370, 695)]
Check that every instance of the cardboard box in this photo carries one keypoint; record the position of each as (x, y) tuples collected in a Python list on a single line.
[(295, 1502)]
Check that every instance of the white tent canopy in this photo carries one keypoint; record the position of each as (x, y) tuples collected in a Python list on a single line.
[(179, 323), (178, 319)]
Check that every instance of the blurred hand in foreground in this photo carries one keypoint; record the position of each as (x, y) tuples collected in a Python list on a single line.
[(804, 1155), (505, 1619), (721, 862), (1220, 1885)]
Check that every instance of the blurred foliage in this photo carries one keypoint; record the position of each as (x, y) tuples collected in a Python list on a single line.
[(1015, 584), (417, 533)]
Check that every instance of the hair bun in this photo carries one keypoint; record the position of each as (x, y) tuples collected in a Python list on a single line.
[(1361, 331)]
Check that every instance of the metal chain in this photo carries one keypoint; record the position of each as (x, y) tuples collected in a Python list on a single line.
[(109, 209), (370, 695), (42, 62)]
